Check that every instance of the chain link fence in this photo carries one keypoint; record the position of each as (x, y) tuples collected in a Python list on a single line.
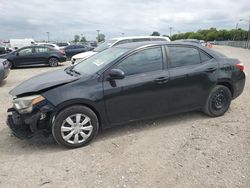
[(240, 44)]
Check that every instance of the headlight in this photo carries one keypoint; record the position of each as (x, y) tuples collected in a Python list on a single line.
[(25, 104)]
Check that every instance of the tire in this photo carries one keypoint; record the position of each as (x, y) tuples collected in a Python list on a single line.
[(67, 132), (218, 101), (53, 62), (11, 64)]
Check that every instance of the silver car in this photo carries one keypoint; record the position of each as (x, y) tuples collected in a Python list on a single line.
[(4, 69)]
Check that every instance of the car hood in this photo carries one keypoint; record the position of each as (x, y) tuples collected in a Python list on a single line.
[(84, 55), (43, 81)]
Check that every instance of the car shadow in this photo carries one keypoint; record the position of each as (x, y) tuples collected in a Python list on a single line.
[(38, 66), (2, 83), (41, 143), (171, 120)]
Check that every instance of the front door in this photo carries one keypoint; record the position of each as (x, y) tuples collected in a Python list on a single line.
[(24, 56), (141, 94)]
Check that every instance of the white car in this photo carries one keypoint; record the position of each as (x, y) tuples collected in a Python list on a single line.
[(113, 42), (49, 45)]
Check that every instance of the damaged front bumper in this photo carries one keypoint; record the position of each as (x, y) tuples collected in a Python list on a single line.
[(27, 124)]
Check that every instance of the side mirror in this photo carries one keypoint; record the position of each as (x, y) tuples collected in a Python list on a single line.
[(17, 53), (116, 74)]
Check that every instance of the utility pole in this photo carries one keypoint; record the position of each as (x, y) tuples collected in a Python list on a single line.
[(98, 32), (170, 31), (48, 35)]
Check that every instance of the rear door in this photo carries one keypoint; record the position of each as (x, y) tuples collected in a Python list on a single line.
[(41, 54), (192, 74), (142, 93)]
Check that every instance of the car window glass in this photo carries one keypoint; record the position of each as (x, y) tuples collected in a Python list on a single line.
[(204, 57), (140, 39), (122, 42), (158, 39), (41, 50), (182, 56), (144, 61), (26, 51)]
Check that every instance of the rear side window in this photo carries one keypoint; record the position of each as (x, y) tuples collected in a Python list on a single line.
[(41, 50), (183, 56), (140, 39), (158, 39), (204, 57), (143, 61), (122, 42)]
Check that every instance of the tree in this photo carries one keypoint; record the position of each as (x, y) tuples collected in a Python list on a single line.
[(198, 36), (76, 38), (155, 33), (212, 35), (100, 37), (83, 39)]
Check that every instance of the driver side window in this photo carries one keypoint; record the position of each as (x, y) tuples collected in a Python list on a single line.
[(143, 61), (26, 51)]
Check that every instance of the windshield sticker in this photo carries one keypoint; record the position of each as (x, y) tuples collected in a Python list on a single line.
[(98, 62)]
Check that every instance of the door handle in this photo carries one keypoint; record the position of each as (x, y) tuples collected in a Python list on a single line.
[(161, 80), (210, 69)]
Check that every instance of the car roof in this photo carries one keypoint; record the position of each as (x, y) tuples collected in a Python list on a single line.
[(139, 37), (138, 45)]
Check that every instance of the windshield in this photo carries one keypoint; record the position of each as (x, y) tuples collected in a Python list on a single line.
[(104, 45), (96, 62)]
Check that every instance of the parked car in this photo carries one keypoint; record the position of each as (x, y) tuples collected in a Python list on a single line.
[(33, 55), (4, 50), (122, 84), (4, 69), (73, 49), (114, 42), (49, 45), (62, 45)]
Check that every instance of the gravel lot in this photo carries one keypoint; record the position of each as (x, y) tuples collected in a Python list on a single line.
[(185, 150)]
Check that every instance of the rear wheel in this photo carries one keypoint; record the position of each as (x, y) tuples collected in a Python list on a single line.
[(218, 101), (53, 62), (75, 126)]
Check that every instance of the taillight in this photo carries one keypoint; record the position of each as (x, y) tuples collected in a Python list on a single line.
[(240, 66)]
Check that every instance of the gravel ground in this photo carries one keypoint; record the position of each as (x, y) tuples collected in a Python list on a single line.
[(185, 150)]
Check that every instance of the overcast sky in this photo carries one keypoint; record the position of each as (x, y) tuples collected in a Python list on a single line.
[(65, 18)]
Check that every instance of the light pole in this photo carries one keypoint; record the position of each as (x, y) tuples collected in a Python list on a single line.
[(48, 35), (170, 31), (248, 37), (98, 32)]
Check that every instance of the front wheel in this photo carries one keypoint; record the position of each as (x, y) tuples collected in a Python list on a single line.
[(218, 101), (75, 126), (53, 62)]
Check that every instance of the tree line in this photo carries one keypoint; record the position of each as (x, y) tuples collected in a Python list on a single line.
[(210, 34), (99, 38)]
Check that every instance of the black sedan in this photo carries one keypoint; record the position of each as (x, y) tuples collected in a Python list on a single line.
[(122, 84), (33, 55), (74, 49), (4, 69)]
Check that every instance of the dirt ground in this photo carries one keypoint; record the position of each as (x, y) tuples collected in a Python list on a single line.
[(185, 150)]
